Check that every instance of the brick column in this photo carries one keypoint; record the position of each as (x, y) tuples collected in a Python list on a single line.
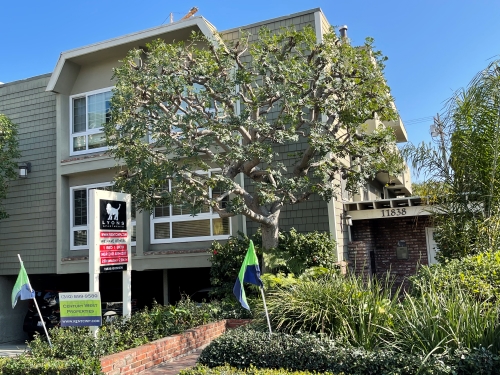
[(360, 248)]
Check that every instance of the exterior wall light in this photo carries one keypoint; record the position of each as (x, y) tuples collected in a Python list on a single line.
[(24, 169), (348, 220)]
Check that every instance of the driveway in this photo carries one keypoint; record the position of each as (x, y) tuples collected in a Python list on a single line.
[(12, 349)]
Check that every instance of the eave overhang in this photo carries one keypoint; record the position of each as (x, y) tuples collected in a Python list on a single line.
[(70, 62), (399, 129)]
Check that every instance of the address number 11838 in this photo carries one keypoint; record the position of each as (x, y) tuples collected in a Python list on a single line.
[(394, 212)]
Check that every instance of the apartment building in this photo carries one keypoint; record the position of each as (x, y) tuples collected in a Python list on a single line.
[(59, 117)]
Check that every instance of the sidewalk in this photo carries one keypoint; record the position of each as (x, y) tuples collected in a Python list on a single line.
[(12, 349), (175, 366)]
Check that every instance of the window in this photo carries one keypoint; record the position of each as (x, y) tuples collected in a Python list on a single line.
[(175, 223), (211, 109), (89, 112), (79, 207)]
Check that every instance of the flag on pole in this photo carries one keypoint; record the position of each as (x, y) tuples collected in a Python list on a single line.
[(22, 289), (250, 273)]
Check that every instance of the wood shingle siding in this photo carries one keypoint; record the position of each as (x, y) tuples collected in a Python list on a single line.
[(307, 216), (31, 228)]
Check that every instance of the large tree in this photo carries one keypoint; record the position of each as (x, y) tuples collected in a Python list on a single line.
[(180, 109), (8, 153), (462, 168)]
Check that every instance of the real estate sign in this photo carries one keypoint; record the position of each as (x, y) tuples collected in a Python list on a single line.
[(109, 239), (80, 309)]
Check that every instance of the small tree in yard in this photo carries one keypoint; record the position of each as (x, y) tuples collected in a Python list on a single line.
[(8, 152), (205, 105), (462, 169)]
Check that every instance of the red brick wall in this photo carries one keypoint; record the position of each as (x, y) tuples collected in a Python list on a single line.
[(382, 236), (359, 257), (360, 247), (138, 359)]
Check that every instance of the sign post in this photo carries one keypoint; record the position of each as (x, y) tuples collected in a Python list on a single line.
[(109, 240)]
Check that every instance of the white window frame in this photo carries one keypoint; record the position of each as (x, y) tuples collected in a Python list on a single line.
[(210, 110), (188, 217), (87, 132), (74, 228)]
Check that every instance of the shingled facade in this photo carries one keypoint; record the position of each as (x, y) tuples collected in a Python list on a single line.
[(57, 133)]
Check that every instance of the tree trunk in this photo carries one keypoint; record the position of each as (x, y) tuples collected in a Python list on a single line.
[(269, 239)]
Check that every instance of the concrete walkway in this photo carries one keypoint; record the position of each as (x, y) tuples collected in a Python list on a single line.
[(12, 349), (175, 366)]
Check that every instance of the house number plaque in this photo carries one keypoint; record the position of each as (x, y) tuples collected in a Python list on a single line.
[(394, 212)]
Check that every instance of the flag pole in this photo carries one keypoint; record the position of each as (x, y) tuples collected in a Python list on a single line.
[(37, 308), (265, 309)]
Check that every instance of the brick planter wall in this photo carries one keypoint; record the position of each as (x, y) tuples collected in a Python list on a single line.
[(138, 359)]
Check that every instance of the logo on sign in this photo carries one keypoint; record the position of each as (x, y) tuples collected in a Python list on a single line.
[(113, 214)]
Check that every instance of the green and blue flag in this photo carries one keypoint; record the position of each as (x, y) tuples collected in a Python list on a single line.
[(22, 289), (249, 273)]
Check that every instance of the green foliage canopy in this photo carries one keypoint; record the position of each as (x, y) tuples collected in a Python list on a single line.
[(463, 168), (204, 104)]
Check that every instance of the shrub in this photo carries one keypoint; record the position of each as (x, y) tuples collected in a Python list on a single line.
[(227, 370), (477, 275), (122, 333), (75, 351), (345, 307), (295, 253), (25, 364), (440, 321), (243, 348), (226, 260)]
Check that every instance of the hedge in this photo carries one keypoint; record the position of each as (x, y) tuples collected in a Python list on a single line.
[(228, 370), (243, 348), (26, 364)]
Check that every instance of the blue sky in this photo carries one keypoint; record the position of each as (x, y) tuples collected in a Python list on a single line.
[(434, 46)]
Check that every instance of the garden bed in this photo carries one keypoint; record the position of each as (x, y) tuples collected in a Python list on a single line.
[(135, 360)]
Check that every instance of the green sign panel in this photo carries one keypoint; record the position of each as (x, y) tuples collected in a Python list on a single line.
[(80, 309)]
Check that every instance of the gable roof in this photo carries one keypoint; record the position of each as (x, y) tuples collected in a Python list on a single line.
[(69, 62)]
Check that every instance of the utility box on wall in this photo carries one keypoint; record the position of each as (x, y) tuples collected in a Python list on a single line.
[(402, 250)]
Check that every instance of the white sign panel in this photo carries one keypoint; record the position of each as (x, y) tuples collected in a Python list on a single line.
[(109, 239)]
